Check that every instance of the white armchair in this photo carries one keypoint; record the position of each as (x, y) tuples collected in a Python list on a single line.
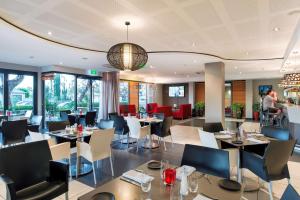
[(136, 131), (98, 148), (61, 151)]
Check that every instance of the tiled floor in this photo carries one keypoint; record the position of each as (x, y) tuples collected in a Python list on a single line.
[(183, 133)]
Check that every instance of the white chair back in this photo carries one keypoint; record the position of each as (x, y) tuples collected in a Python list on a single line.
[(251, 127), (134, 127), (35, 136), (208, 139), (28, 114), (61, 151), (100, 143)]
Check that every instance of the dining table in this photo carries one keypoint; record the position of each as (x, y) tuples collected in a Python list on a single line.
[(253, 142), (66, 136), (208, 187), (150, 144)]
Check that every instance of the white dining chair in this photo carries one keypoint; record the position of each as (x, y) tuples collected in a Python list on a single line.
[(98, 148), (251, 127), (61, 151), (208, 139), (136, 131)]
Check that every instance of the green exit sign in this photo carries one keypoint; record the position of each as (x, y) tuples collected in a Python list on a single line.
[(93, 72)]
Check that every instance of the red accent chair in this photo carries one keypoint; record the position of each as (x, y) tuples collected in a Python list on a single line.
[(126, 109), (151, 108), (167, 110), (184, 112)]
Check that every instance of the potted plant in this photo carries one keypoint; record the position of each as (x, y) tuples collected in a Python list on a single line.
[(256, 110), (237, 109), (200, 109)]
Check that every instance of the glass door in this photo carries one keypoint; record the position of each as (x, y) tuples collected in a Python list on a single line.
[(142, 97), (96, 94), (83, 94)]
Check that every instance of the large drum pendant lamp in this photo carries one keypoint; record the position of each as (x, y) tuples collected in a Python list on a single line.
[(127, 56)]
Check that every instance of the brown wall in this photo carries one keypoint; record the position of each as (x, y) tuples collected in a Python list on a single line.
[(134, 93), (199, 92), (170, 101), (239, 92)]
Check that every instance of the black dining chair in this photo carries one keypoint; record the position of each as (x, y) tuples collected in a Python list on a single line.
[(57, 125), (35, 123), (64, 114), (90, 118), (213, 127), (277, 133), (290, 194), (14, 131), (106, 124), (207, 160), (112, 115), (163, 129), (272, 165), (121, 127), (29, 172)]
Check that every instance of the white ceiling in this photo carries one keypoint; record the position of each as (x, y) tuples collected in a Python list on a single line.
[(229, 28)]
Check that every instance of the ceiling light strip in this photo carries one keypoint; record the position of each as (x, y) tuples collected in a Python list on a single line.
[(149, 52)]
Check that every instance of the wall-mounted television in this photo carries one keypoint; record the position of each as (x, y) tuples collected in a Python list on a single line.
[(262, 89), (176, 91)]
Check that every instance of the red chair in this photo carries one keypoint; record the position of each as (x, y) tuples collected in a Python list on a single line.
[(167, 110), (184, 112), (128, 109), (151, 108)]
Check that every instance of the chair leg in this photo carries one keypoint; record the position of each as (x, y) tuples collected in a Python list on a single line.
[(171, 140), (289, 181), (94, 172), (270, 191), (137, 145), (77, 166), (111, 166), (165, 144), (70, 168), (66, 196)]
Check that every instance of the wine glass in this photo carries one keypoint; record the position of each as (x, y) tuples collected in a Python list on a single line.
[(193, 183), (164, 165), (146, 186)]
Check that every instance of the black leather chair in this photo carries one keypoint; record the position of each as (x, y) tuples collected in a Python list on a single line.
[(112, 116), (35, 123), (272, 165), (121, 128), (207, 160), (290, 194), (213, 127), (57, 125), (63, 116), (90, 118), (277, 133), (29, 173), (14, 131), (159, 115), (72, 119), (106, 124), (163, 129)]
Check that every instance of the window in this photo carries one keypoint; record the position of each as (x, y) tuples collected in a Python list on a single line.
[(142, 97), (124, 92), (83, 94), (151, 93), (2, 94), (59, 93), (96, 94)]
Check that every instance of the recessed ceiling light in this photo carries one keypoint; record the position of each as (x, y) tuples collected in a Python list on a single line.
[(295, 52), (247, 53), (194, 61), (49, 33), (276, 29), (193, 44), (61, 63), (151, 66), (175, 72), (240, 72), (235, 67)]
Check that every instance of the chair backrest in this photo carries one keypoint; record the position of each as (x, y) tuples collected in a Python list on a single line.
[(207, 160), (159, 115), (100, 143), (63, 115), (61, 151), (113, 115), (90, 118), (290, 194), (120, 124), (106, 124), (208, 139), (251, 126), (66, 111), (28, 114), (14, 131), (213, 127), (35, 136), (151, 107), (72, 119), (36, 120), (57, 125), (166, 126), (277, 133), (134, 127), (26, 164), (277, 155)]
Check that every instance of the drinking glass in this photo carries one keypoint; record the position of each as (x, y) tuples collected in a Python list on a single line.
[(164, 165), (169, 176), (193, 183), (146, 187)]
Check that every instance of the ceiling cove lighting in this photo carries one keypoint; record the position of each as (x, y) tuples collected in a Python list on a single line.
[(127, 56)]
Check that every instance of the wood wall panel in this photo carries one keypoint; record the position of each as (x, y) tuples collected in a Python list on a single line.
[(134, 93), (199, 92), (239, 92)]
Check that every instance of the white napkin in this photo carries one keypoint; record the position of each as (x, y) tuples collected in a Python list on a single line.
[(201, 197), (188, 169), (256, 134), (137, 176), (255, 140), (223, 136)]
